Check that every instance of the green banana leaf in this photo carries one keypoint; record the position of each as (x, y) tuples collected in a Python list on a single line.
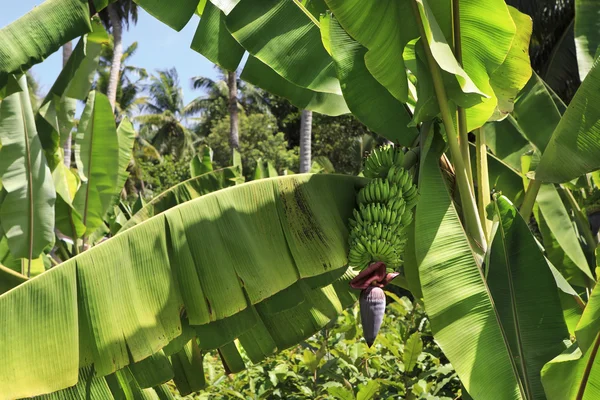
[(574, 148), (512, 75), (457, 299), (536, 113), (213, 40), (97, 158), (27, 210), (121, 301), (526, 297), (507, 142), (368, 100), (587, 34), (175, 14), (185, 191), (557, 219), (286, 37), (259, 74), (125, 136), (56, 117), (39, 33), (202, 162)]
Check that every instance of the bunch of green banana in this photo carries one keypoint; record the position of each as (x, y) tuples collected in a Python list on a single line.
[(385, 210), (381, 160)]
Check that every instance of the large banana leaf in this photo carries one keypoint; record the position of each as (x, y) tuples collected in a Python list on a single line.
[(39, 33), (261, 75), (97, 157), (221, 258), (185, 191), (125, 137), (213, 40), (368, 100), (285, 35), (525, 295), (506, 141), (27, 210), (457, 299), (587, 34), (574, 148)]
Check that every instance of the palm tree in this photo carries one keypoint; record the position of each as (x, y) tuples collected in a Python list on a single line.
[(114, 17), (226, 96), (305, 136), (164, 124), (129, 83)]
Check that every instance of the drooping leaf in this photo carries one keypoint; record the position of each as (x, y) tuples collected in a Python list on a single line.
[(285, 37), (185, 191), (39, 33), (27, 210), (121, 301), (176, 14), (259, 74), (457, 299), (574, 148), (370, 102), (97, 157), (524, 292), (213, 40)]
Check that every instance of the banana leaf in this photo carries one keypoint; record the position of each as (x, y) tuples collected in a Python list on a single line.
[(39, 33), (27, 210), (464, 319), (185, 191), (213, 257)]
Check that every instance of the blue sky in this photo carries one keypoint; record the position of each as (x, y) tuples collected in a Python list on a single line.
[(159, 47)]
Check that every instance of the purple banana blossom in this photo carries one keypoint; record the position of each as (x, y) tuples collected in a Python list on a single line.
[(370, 281)]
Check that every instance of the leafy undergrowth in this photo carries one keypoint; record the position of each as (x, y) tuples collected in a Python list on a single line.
[(336, 363)]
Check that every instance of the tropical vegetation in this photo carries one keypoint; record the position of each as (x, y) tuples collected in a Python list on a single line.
[(479, 213)]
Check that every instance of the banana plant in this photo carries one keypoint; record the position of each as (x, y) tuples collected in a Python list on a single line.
[(141, 308)]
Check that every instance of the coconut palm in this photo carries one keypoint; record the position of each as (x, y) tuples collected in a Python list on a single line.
[(164, 124), (305, 136), (114, 17), (225, 96), (129, 83)]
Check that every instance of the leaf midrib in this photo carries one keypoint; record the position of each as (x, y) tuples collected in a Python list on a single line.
[(513, 304)]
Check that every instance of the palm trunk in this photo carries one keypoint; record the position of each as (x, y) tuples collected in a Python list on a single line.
[(67, 50), (234, 137), (305, 134), (115, 68)]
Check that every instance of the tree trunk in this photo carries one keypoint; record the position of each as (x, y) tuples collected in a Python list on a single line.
[(67, 50), (115, 68), (305, 134), (234, 137)]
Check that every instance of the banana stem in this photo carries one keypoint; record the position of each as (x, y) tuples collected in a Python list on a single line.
[(483, 181), (472, 222), (463, 137), (529, 200)]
